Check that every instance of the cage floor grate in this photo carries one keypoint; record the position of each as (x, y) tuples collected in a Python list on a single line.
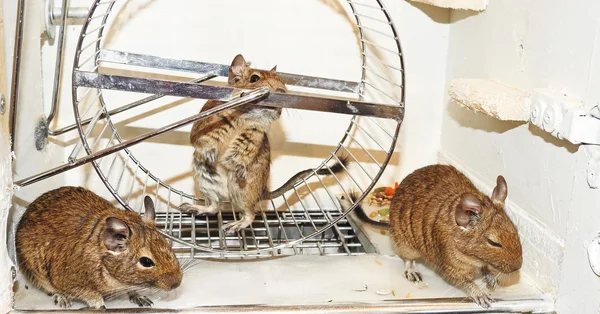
[(269, 229)]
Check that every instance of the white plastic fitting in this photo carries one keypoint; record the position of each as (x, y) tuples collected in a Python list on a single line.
[(594, 255), (564, 118)]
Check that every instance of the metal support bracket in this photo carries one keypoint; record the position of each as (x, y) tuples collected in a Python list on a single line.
[(53, 16)]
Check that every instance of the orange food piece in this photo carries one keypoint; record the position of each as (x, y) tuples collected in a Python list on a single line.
[(389, 191), (395, 185), (373, 214)]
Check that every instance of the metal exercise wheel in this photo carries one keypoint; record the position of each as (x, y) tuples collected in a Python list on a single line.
[(314, 223)]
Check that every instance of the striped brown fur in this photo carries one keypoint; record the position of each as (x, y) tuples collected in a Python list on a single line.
[(74, 244), (232, 157), (438, 216)]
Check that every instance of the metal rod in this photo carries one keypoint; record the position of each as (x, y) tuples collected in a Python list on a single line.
[(57, 65), (121, 57), (536, 304), (79, 14), (87, 133), (125, 107), (284, 100), (251, 96), (14, 89)]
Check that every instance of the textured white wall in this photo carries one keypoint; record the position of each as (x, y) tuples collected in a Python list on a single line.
[(5, 203), (531, 44), (6, 190)]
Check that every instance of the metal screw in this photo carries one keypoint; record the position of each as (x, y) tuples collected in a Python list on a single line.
[(534, 113), (591, 178), (547, 118), (2, 104), (13, 272)]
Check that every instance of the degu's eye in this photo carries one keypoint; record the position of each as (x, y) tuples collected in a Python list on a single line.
[(492, 243), (146, 262), (254, 78)]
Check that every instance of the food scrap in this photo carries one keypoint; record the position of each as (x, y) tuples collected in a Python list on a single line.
[(393, 292), (409, 295), (329, 300), (364, 288), (381, 196), (378, 262), (383, 291)]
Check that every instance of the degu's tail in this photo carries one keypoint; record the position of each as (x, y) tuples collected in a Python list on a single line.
[(338, 167), (360, 213)]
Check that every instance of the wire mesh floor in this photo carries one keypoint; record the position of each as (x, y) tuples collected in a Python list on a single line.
[(269, 229)]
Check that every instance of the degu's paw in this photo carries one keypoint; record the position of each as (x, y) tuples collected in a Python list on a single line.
[(482, 299), (61, 301), (141, 301)]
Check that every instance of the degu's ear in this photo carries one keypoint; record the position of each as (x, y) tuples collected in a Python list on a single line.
[(150, 212), (500, 191), (274, 69), (236, 69), (468, 210), (116, 235)]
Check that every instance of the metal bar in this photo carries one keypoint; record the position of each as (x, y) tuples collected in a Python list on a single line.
[(380, 47), (91, 105), (79, 99), (169, 215), (369, 135), (366, 151), (341, 237), (379, 61), (87, 133), (348, 173), (110, 139), (382, 128), (533, 304), (97, 140), (319, 246), (266, 222), (58, 63), (365, 5), (133, 181), (283, 100), (282, 228), (88, 59), (371, 18), (292, 214), (304, 208), (251, 96), (121, 57), (126, 107), (338, 182), (380, 91), (14, 89), (112, 164), (88, 45), (180, 216), (143, 194), (383, 78), (78, 14), (122, 173), (207, 228), (97, 17)]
